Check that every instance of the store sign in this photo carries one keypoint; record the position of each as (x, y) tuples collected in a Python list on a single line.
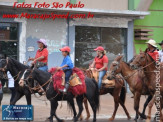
[(5, 34), (30, 49)]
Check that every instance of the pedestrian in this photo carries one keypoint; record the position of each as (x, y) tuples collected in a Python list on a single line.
[(11, 86), (100, 63), (67, 66), (41, 58), (152, 49), (161, 52)]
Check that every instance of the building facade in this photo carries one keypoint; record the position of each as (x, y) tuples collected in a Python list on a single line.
[(151, 27), (111, 27)]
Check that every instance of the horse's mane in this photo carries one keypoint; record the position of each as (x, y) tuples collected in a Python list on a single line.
[(118, 58), (17, 64)]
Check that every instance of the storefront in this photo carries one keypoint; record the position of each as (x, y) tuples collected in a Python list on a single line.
[(9, 39), (112, 30)]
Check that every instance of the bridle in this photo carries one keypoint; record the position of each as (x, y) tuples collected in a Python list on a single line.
[(40, 86), (130, 75)]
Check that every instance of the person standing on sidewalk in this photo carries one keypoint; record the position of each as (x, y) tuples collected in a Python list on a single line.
[(11, 86)]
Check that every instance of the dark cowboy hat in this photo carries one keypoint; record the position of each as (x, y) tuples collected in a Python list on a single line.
[(161, 43)]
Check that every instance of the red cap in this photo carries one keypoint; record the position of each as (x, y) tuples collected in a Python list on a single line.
[(99, 48), (66, 48)]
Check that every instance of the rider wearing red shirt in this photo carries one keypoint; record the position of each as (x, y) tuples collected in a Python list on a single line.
[(100, 63), (152, 49), (41, 58)]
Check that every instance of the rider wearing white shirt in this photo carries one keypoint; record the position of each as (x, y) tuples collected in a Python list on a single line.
[(11, 85)]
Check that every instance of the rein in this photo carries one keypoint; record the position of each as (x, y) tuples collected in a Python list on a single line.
[(128, 76), (40, 86)]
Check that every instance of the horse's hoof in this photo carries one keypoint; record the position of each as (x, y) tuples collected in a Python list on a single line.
[(61, 120), (143, 116), (87, 118), (111, 119), (81, 118), (147, 120), (135, 120), (129, 117)]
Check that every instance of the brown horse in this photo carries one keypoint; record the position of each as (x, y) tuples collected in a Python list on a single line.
[(136, 80), (118, 92), (151, 69)]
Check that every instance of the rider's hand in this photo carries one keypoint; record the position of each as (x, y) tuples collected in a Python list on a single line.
[(59, 68), (31, 59)]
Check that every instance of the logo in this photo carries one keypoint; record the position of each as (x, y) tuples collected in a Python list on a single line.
[(17, 112)]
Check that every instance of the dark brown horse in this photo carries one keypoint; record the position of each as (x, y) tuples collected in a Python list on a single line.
[(118, 92), (154, 74), (136, 80)]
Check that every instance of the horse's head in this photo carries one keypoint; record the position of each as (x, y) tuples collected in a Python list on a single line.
[(139, 60), (25, 77), (3, 68), (115, 68)]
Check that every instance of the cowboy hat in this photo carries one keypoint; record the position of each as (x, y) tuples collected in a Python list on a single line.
[(161, 43), (152, 42), (42, 41)]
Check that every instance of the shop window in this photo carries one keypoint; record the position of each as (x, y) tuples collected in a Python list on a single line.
[(88, 38), (9, 39)]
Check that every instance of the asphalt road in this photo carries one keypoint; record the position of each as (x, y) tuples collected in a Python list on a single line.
[(42, 109)]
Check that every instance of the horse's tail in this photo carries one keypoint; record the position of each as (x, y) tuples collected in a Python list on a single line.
[(123, 93), (97, 96)]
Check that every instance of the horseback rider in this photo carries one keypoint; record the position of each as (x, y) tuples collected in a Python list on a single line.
[(161, 52), (66, 66), (152, 49), (100, 63), (41, 58)]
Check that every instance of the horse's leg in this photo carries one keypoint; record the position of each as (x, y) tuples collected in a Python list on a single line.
[(79, 101), (54, 105), (136, 104), (116, 104), (150, 105), (28, 98), (71, 102), (16, 98), (94, 108), (86, 108), (145, 106), (125, 109)]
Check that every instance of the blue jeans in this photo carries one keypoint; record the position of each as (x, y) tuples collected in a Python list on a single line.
[(68, 74), (44, 68), (101, 75)]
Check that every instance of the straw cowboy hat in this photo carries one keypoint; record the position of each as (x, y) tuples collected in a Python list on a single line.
[(152, 42), (161, 43)]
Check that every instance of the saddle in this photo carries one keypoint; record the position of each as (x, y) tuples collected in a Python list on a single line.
[(105, 82), (74, 80)]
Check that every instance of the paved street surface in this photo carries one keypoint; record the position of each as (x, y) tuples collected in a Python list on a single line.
[(42, 110)]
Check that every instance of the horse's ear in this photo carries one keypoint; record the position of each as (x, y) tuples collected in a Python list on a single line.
[(140, 50), (31, 67)]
